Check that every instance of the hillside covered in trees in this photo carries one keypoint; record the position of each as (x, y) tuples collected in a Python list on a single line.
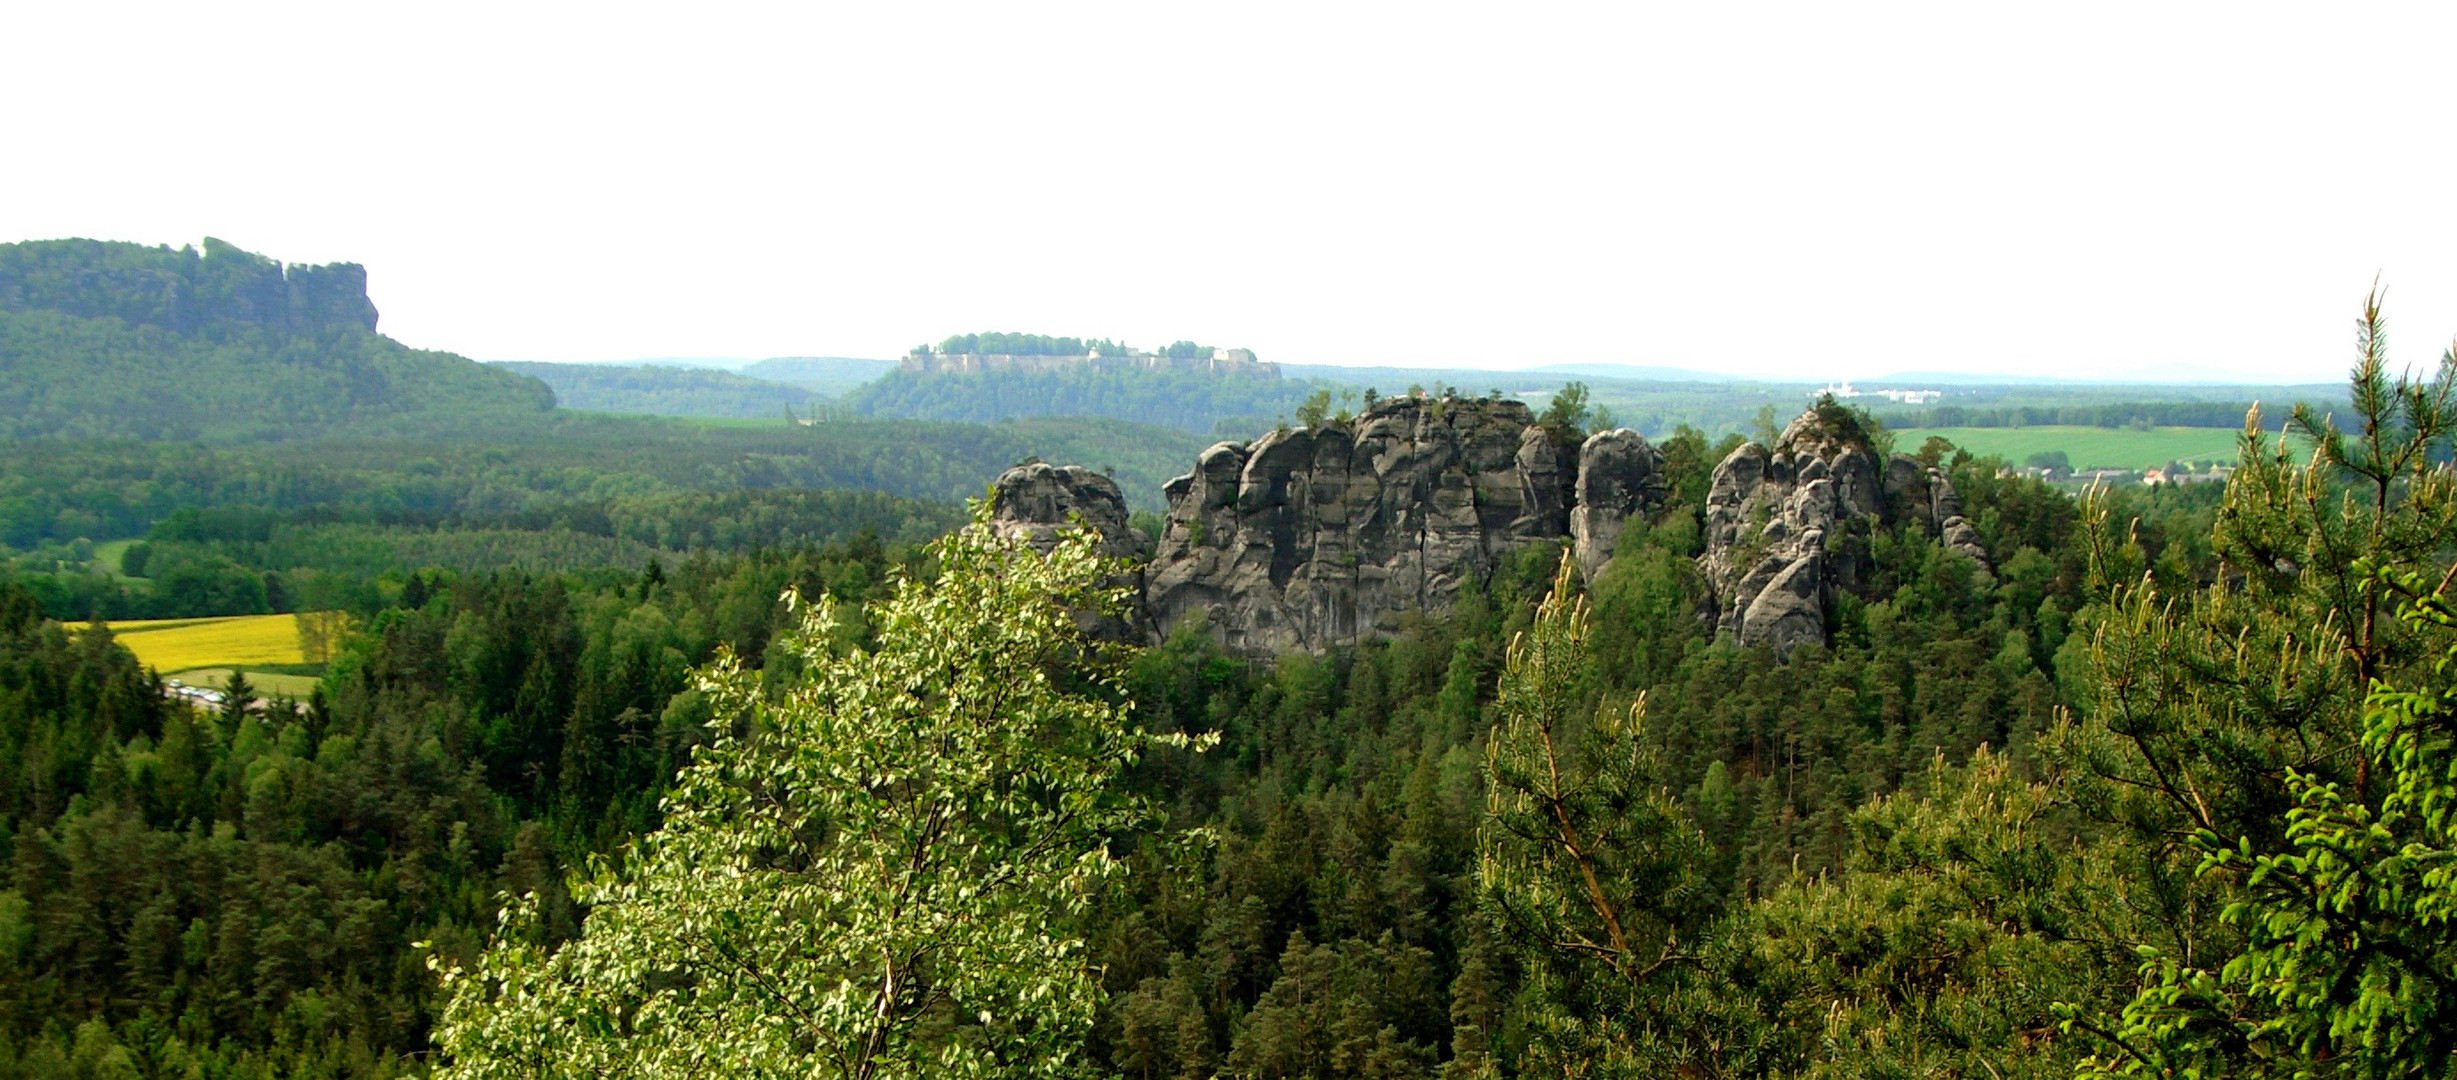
[(1201, 402), (656, 747), (486, 732), (660, 390), (114, 340), (147, 386)]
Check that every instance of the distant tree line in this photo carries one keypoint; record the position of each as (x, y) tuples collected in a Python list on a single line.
[(56, 491), (1194, 401), (2139, 414), (672, 391), (1001, 344)]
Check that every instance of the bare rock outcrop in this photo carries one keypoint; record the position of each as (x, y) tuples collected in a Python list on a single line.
[(1787, 526), (1314, 537), (1035, 501), (1620, 477)]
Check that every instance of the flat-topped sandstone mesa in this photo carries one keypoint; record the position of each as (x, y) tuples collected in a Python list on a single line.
[(1787, 526), (182, 291)]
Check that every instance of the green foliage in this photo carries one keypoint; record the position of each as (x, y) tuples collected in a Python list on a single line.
[(581, 472), (122, 341), (871, 869), (1959, 920), (2092, 448), (184, 291), (2136, 415), (2348, 959), (238, 895), (1315, 410), (830, 375), (1003, 344), (659, 390), (2233, 758), (1593, 871), (1893, 855), (1569, 415)]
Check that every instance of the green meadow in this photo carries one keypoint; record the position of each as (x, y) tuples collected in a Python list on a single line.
[(2087, 447)]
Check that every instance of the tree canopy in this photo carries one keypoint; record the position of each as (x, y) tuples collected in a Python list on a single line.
[(873, 868)]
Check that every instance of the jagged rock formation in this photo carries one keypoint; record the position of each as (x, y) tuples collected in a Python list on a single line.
[(1619, 477), (1035, 501), (1315, 537), (1787, 527), (1945, 510)]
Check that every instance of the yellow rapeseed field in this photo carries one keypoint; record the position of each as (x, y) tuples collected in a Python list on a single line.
[(169, 645)]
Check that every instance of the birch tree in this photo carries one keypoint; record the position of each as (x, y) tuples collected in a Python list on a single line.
[(873, 868)]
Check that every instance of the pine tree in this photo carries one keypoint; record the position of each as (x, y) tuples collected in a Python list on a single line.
[(1592, 871), (2217, 713)]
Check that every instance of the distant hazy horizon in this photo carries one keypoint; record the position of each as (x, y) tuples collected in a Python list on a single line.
[(1631, 372)]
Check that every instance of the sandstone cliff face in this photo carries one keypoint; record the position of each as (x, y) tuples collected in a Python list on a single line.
[(1035, 501), (1619, 477), (1787, 527), (1316, 537), (1309, 538)]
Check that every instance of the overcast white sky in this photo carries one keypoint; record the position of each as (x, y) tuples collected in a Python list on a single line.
[(1815, 190)]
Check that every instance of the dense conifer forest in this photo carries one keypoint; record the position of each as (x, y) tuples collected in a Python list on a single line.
[(245, 892), (659, 747)]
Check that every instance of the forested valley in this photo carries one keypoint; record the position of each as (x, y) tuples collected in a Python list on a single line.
[(658, 747), (244, 894)]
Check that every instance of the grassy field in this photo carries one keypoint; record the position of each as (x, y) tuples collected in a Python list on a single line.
[(243, 641), (266, 682), (108, 554), (2088, 447)]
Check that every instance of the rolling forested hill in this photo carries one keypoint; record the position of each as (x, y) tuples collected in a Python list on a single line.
[(831, 375), (114, 340), (141, 387), (659, 390), (1201, 402), (1963, 832)]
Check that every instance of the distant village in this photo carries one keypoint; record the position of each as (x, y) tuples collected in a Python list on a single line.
[(2174, 474), (1844, 391)]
